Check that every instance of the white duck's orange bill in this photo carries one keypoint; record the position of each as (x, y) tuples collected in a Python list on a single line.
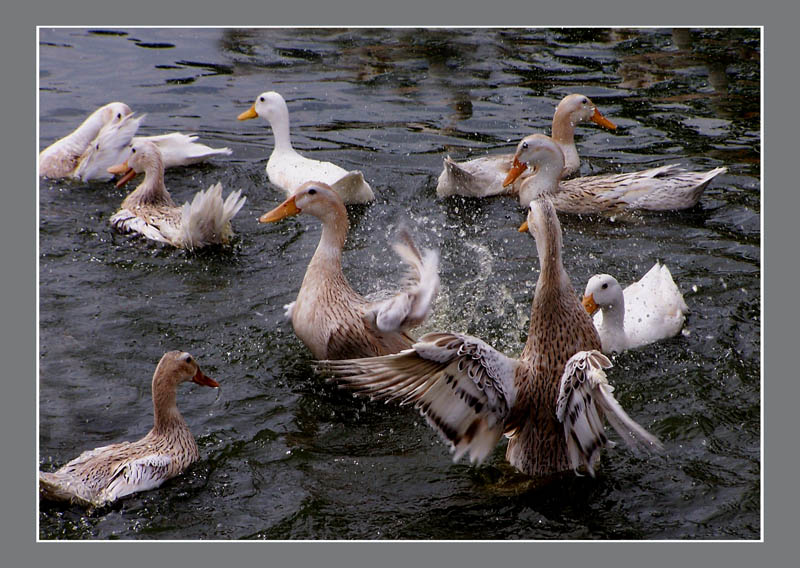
[(598, 118), (202, 379), (516, 169), (285, 209), (589, 303), (248, 114), (524, 227)]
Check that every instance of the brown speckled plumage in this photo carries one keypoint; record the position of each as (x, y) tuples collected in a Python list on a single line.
[(550, 402), (104, 474), (332, 319)]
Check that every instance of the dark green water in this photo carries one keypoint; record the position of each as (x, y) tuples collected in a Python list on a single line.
[(285, 456)]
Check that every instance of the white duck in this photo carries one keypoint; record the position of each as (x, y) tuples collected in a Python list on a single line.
[(289, 170), (150, 211), (646, 311), (100, 476), (665, 188), (551, 402), (331, 318), (484, 177), (102, 141)]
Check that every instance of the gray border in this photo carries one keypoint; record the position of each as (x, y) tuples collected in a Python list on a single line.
[(19, 252)]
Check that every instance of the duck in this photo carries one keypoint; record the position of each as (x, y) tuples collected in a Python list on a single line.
[(329, 316), (484, 176), (665, 188), (150, 211), (646, 311), (551, 402), (288, 170), (103, 138), (100, 476)]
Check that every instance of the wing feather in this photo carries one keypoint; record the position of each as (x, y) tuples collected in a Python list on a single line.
[(585, 398), (462, 386)]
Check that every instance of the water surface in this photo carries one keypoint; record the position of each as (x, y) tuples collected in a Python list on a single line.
[(285, 456)]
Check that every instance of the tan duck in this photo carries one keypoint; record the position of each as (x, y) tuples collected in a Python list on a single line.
[(331, 318), (550, 402), (102, 141), (648, 310), (98, 477), (484, 177), (150, 211), (658, 189), (287, 169)]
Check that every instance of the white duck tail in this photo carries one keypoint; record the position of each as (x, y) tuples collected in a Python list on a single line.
[(411, 307), (207, 219), (178, 149)]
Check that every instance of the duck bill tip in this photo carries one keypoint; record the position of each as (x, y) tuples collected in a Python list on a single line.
[(516, 170), (248, 114), (201, 379), (285, 209), (524, 227), (589, 304), (128, 174), (598, 118)]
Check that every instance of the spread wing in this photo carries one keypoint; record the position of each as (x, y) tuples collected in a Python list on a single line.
[(584, 399), (409, 307), (110, 147), (462, 386)]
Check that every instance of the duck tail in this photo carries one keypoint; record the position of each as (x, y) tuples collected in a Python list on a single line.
[(59, 487), (206, 220)]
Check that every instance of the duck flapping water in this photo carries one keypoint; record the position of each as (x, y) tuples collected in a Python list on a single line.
[(551, 402)]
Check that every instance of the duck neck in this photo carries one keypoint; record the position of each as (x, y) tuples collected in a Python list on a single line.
[(152, 190), (543, 182), (328, 256), (564, 135), (80, 138), (614, 315), (166, 416), (280, 129)]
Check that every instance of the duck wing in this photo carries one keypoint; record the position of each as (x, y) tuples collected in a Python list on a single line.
[(463, 387), (584, 399)]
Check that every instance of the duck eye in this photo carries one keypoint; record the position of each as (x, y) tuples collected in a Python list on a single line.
[(604, 286), (119, 115), (525, 145), (312, 191), (261, 99), (133, 150), (97, 146), (584, 101)]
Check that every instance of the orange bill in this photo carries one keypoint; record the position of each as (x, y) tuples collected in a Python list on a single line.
[(524, 227), (201, 379), (248, 114), (589, 303), (285, 209), (126, 170), (516, 169), (598, 118)]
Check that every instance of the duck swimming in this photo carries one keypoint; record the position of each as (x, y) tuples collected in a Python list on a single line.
[(150, 211), (288, 170), (100, 476)]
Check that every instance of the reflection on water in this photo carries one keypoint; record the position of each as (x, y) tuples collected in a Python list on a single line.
[(286, 456)]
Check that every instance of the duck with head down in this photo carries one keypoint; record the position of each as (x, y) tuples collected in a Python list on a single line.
[(98, 477), (333, 320), (551, 402), (103, 139)]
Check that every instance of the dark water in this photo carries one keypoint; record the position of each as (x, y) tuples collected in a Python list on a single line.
[(285, 456)]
